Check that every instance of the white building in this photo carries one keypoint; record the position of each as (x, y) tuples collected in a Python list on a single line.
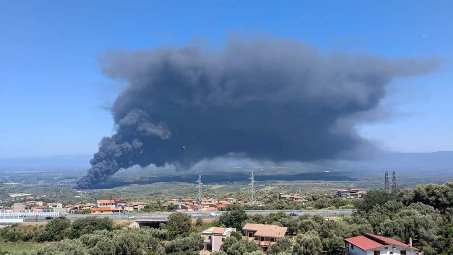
[(14, 195), (370, 244), (214, 237), (18, 207), (55, 205)]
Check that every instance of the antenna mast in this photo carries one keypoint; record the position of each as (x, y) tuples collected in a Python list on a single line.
[(199, 195)]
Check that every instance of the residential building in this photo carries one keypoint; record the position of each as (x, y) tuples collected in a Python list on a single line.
[(214, 237), (370, 244), (18, 207), (41, 208), (106, 210), (120, 202), (262, 234), (350, 193), (55, 205), (292, 197), (106, 203), (135, 206), (101, 210)]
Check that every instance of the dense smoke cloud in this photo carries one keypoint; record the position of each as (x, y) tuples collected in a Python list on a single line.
[(266, 99)]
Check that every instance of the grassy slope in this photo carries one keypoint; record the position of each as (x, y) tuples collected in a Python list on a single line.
[(20, 246)]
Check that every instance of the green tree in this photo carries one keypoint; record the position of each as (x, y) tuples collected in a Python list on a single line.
[(199, 222), (89, 225), (239, 247), (447, 238), (375, 198), (131, 243), (308, 244), (275, 217), (291, 224), (233, 219), (190, 245), (55, 230), (178, 223), (438, 196), (282, 245), (65, 247)]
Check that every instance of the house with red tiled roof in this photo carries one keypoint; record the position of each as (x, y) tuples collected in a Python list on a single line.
[(105, 210), (370, 244), (214, 237), (262, 234), (106, 203)]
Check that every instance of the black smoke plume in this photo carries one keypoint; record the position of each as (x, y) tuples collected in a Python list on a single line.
[(265, 99)]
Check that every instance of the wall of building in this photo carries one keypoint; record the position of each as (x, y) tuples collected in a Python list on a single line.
[(393, 251), (216, 243), (388, 251), (354, 250)]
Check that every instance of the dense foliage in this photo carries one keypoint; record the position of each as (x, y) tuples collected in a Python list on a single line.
[(234, 217), (424, 214)]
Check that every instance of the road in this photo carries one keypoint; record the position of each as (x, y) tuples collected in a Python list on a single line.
[(162, 216)]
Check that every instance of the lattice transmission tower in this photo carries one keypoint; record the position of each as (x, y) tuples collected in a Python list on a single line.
[(386, 181), (199, 195), (394, 184), (252, 187)]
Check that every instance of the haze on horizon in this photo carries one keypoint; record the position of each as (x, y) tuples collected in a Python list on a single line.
[(57, 101)]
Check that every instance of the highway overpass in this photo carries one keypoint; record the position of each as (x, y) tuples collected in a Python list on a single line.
[(162, 216)]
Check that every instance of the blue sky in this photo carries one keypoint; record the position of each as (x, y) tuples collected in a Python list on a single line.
[(53, 96)]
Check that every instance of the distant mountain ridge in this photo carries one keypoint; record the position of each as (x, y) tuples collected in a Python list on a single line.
[(47, 162), (432, 162), (402, 162)]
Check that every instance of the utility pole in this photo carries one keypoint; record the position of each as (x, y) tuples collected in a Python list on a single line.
[(199, 195), (386, 181), (252, 187), (394, 181)]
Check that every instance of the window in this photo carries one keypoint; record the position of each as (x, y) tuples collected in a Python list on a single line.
[(403, 252), (377, 252), (352, 247)]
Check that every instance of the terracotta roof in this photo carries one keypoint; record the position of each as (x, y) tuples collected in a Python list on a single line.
[(40, 207), (218, 231), (364, 243), (371, 241), (105, 201), (387, 240), (266, 230), (101, 209)]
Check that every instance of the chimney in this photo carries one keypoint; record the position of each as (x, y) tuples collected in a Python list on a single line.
[(410, 241)]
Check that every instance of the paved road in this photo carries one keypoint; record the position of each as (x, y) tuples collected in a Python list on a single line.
[(162, 216)]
